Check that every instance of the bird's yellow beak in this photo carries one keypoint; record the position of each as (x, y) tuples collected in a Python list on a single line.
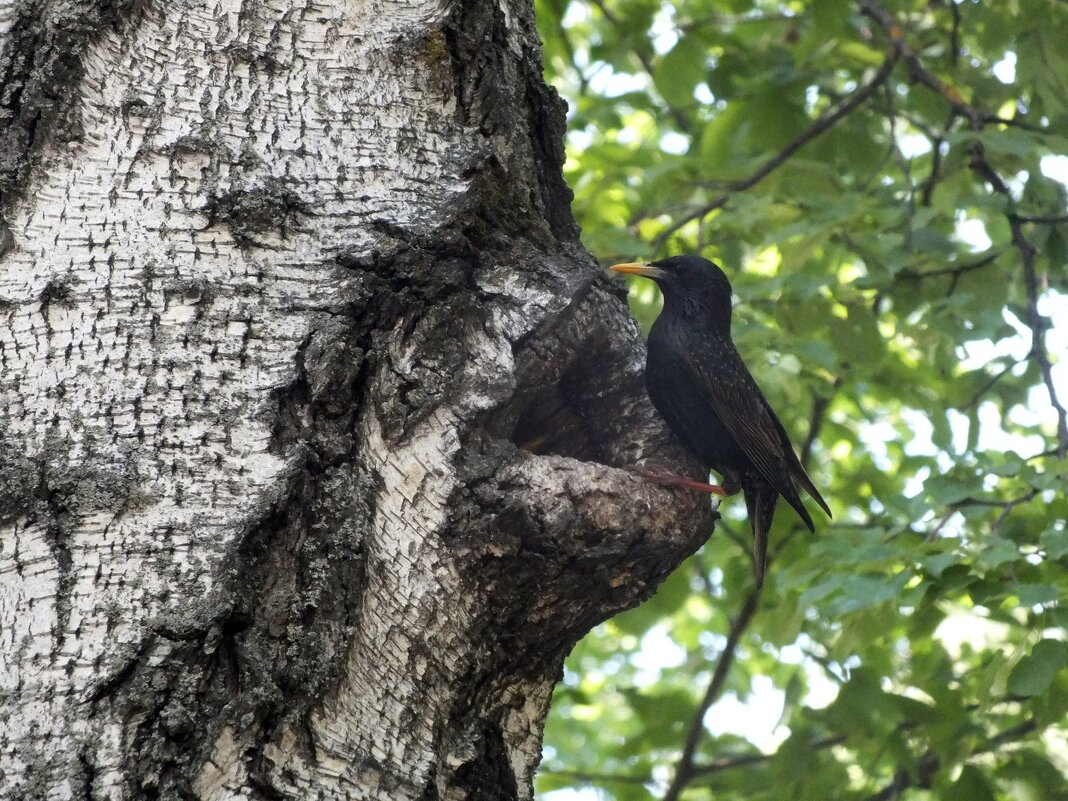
[(639, 268)]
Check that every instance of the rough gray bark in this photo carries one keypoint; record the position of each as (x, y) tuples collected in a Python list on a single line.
[(312, 407)]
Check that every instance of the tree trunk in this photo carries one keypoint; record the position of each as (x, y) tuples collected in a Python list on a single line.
[(312, 407)]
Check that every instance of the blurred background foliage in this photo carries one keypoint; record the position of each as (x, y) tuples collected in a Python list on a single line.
[(884, 183)]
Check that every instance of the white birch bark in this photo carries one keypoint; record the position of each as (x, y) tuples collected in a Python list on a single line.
[(282, 287)]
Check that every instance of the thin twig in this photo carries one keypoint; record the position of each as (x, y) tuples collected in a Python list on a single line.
[(955, 270), (995, 504), (1030, 496), (988, 385), (932, 535), (927, 188), (954, 35), (815, 422), (937, 139), (1005, 506)]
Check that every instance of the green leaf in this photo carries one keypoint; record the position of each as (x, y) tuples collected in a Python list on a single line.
[(719, 139), (862, 54), (936, 564), (1055, 542), (1033, 674), (1010, 141), (1034, 594), (971, 785), (679, 72)]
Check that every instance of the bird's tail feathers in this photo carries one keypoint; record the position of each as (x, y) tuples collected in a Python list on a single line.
[(760, 503)]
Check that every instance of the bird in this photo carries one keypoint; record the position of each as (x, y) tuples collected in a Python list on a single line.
[(699, 384)]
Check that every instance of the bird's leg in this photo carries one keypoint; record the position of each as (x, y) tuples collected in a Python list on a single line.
[(731, 482), (679, 481)]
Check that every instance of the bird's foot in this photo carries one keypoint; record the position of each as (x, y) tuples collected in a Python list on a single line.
[(679, 481)]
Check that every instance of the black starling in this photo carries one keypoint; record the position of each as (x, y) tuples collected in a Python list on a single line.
[(700, 385)]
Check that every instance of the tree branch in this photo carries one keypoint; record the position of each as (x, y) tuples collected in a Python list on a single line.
[(823, 123), (815, 422), (982, 167), (1009, 504), (954, 35), (684, 770), (928, 764), (921, 75), (989, 384), (1037, 323), (829, 742), (954, 270), (1026, 498), (1005, 506)]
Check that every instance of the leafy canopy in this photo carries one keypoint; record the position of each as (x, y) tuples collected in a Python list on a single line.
[(880, 181)]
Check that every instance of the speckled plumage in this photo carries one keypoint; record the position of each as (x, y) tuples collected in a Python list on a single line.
[(700, 385)]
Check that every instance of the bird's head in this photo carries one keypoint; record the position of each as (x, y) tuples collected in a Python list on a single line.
[(692, 286)]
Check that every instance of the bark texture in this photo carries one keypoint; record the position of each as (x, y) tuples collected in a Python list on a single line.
[(312, 408)]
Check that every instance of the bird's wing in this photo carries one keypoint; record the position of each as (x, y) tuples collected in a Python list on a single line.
[(744, 411), (797, 470)]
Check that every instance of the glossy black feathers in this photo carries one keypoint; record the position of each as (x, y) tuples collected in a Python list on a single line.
[(700, 385)]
